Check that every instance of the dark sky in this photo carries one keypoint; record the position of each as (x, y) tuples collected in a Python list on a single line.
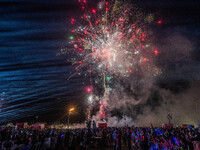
[(33, 80)]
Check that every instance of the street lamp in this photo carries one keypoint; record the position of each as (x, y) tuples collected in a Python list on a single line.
[(70, 110)]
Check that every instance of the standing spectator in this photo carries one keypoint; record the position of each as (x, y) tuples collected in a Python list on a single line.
[(115, 139), (119, 137), (6, 145), (144, 141), (129, 138), (53, 142)]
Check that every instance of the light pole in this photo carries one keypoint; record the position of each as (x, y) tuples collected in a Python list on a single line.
[(70, 110), (169, 117)]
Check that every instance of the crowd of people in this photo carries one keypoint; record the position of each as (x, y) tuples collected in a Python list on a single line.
[(123, 138)]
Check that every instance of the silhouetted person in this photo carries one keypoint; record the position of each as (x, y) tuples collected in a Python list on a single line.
[(129, 138), (144, 145)]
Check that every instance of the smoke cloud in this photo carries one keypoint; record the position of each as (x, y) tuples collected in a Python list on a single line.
[(146, 98)]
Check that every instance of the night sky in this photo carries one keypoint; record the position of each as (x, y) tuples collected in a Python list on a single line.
[(33, 79)]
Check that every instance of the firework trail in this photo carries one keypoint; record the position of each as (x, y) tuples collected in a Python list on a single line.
[(113, 44)]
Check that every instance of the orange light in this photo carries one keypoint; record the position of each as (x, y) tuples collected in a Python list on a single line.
[(72, 109)]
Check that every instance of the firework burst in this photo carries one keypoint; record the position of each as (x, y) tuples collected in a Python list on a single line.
[(112, 42)]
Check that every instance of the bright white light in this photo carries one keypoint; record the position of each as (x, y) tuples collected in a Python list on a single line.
[(90, 98)]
